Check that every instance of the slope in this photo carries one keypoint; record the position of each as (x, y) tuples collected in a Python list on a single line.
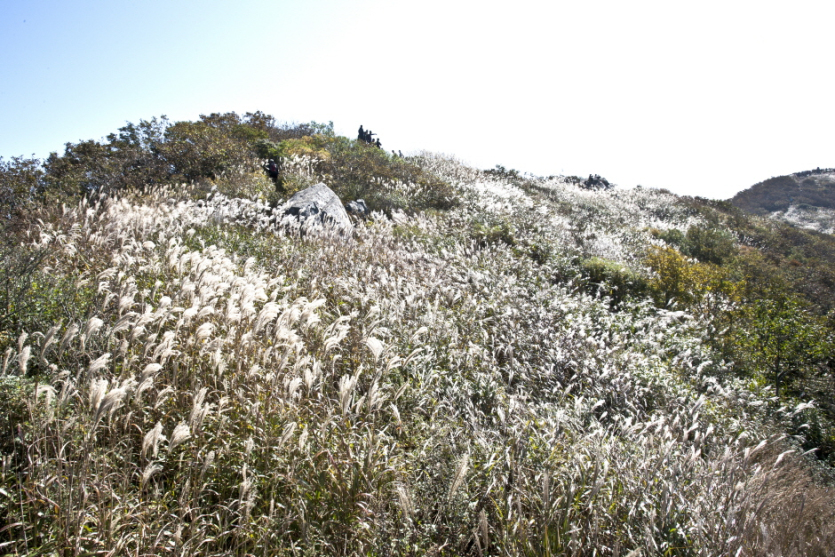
[(497, 376), (805, 199)]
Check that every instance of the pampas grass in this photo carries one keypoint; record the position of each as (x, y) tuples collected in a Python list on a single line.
[(406, 389)]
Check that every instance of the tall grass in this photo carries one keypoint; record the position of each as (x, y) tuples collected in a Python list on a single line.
[(410, 389)]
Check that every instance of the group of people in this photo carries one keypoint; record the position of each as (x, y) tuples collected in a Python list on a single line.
[(367, 136)]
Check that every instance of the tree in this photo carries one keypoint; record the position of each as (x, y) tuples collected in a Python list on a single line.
[(85, 167), (203, 150), (20, 183), (784, 340), (708, 244)]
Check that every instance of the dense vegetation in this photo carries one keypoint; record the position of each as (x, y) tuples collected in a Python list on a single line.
[(224, 152), (491, 364)]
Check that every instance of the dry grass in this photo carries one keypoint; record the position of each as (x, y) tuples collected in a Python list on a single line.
[(239, 390), (795, 510)]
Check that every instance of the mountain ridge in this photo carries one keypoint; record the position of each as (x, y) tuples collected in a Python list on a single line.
[(805, 199)]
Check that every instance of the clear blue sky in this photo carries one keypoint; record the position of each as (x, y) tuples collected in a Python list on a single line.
[(703, 98)]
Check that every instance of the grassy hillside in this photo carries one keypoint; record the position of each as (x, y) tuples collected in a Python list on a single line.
[(491, 364), (805, 199)]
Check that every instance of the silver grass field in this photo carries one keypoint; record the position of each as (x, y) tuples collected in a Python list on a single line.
[(405, 389)]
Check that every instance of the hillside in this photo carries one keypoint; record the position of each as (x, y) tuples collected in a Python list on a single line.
[(490, 364), (805, 199)]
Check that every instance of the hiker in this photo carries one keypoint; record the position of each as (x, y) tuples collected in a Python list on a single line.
[(361, 135), (272, 170)]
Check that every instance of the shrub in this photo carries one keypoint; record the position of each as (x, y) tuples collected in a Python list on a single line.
[(612, 280), (703, 287), (783, 340), (709, 245), (485, 234)]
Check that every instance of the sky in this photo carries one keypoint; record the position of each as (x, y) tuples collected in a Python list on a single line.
[(702, 98)]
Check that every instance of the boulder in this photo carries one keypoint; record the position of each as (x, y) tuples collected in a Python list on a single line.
[(316, 206), (357, 208)]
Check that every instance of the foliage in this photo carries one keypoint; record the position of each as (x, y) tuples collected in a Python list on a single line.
[(225, 151), (596, 182), (357, 170), (617, 282), (20, 184), (84, 168), (216, 148), (690, 284), (200, 149), (707, 244), (490, 233), (784, 340)]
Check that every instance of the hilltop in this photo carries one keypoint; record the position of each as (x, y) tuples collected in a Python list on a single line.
[(490, 363), (805, 199)]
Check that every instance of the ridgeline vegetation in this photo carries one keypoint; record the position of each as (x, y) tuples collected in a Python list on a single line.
[(491, 363)]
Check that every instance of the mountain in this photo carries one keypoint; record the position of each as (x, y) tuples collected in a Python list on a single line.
[(805, 199), (491, 363)]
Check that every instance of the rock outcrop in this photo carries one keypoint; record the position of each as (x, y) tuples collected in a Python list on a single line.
[(316, 207), (358, 208)]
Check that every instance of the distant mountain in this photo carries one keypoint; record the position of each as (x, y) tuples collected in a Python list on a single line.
[(805, 199)]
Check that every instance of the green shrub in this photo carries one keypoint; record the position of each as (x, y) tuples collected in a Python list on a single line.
[(249, 184), (14, 391), (485, 234), (33, 298), (705, 243), (612, 280), (709, 245)]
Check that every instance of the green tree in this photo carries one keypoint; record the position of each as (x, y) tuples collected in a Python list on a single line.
[(85, 167), (704, 287), (203, 150), (708, 244), (20, 184), (783, 340)]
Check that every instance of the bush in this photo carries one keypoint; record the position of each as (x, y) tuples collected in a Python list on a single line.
[(486, 234), (702, 287), (612, 280), (707, 244), (34, 298)]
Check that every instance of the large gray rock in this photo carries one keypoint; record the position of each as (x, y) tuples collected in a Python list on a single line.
[(316, 207), (357, 208)]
